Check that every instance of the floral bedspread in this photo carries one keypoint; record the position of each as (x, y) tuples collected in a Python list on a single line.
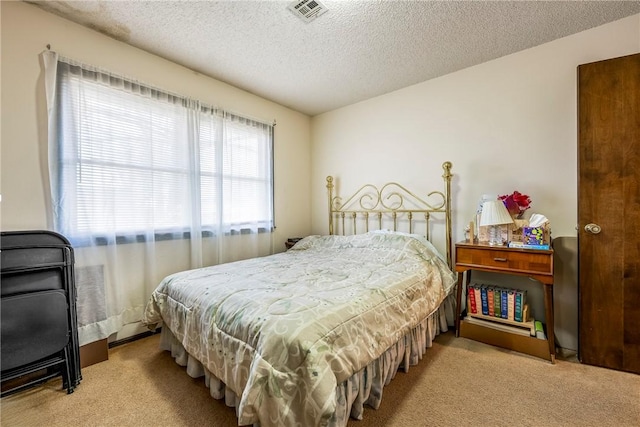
[(283, 330)]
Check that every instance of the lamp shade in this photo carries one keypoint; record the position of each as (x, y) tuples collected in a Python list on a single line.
[(495, 213)]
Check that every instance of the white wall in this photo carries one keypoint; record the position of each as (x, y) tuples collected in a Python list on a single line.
[(508, 124), (26, 30)]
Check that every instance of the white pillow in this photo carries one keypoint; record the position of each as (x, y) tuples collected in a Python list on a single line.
[(418, 237)]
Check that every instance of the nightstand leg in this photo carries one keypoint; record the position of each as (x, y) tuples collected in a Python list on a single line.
[(548, 309), (459, 298)]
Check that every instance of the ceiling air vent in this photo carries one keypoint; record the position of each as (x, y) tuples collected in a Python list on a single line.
[(307, 10)]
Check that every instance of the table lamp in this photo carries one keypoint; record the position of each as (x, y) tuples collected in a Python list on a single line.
[(495, 215)]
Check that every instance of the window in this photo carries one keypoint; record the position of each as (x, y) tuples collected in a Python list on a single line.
[(133, 160)]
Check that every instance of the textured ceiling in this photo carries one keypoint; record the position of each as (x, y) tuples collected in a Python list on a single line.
[(354, 51)]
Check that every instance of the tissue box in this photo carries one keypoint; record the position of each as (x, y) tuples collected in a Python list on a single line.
[(533, 235), (518, 234)]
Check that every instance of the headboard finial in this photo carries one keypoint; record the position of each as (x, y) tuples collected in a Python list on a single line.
[(330, 188), (447, 169), (447, 188)]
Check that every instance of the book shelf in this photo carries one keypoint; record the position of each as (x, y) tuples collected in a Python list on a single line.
[(528, 326), (533, 263)]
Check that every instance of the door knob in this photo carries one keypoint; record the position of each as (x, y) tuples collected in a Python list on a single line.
[(592, 228)]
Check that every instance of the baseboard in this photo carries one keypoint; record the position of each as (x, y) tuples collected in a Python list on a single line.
[(98, 351), (567, 354), (134, 338), (94, 352)]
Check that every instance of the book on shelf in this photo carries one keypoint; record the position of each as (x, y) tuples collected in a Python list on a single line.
[(497, 304), (517, 307), (485, 303), (539, 330), (504, 308), (472, 299), (511, 294), (519, 302), (478, 297), (522, 245), (490, 303)]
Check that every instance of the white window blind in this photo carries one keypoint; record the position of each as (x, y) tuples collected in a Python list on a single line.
[(134, 160)]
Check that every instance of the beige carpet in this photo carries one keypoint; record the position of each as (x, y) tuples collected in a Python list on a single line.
[(460, 382)]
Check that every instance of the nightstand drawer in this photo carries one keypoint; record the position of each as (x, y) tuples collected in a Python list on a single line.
[(512, 260)]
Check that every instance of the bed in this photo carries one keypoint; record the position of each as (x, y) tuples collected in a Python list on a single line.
[(311, 335)]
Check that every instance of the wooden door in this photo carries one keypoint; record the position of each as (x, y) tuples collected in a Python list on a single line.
[(609, 197)]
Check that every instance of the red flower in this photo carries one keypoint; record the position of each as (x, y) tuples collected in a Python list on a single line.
[(516, 203)]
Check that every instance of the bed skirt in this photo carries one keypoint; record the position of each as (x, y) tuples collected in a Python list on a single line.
[(362, 388)]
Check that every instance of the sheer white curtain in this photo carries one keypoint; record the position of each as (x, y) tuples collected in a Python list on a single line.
[(145, 183)]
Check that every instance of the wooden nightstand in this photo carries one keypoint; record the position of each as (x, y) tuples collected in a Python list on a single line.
[(291, 241), (534, 263)]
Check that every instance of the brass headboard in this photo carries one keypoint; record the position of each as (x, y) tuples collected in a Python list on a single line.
[(390, 203)]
